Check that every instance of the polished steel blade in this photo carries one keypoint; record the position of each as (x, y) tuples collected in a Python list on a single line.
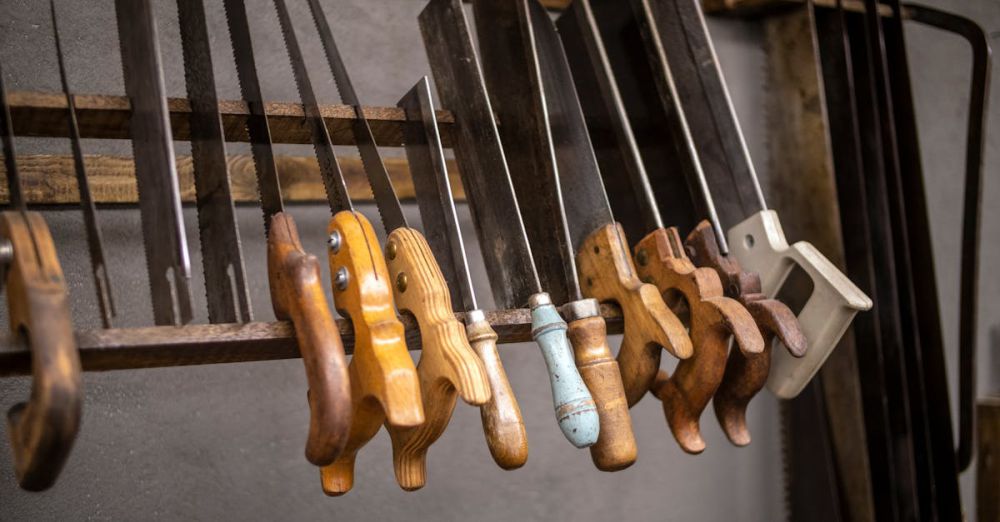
[(610, 130), (385, 196), (513, 80), (95, 242), (679, 28), (222, 255), (14, 189), (425, 156), (583, 194), (480, 155), (333, 178), (257, 127), (156, 176)]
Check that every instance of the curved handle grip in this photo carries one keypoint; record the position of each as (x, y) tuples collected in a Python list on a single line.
[(615, 448), (575, 409), (447, 367), (384, 381), (759, 243), (685, 395), (502, 423), (42, 430), (607, 274)]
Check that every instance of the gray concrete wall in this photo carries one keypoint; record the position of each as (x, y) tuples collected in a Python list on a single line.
[(225, 441)]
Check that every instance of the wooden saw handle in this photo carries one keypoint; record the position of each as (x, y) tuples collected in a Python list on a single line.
[(297, 295), (384, 382), (745, 374), (502, 423), (615, 448), (713, 317), (447, 367), (607, 274), (42, 430)]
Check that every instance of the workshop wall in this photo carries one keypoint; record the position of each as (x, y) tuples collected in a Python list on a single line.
[(226, 441)]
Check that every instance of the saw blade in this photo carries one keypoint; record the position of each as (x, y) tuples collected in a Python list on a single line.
[(257, 126), (95, 241), (222, 255), (425, 156), (388, 205), (164, 237)]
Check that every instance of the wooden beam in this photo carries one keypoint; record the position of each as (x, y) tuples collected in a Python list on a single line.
[(51, 180), (101, 116), (167, 346), (764, 7)]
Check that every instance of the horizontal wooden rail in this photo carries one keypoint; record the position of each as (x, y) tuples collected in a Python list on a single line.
[(166, 346), (762, 7), (51, 180), (101, 116)]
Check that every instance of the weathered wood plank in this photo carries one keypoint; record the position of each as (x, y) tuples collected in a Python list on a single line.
[(763, 7), (43, 114), (163, 346), (50, 179)]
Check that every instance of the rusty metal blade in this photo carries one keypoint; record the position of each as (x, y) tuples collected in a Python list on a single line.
[(385, 196), (222, 255), (425, 156), (167, 256), (480, 155)]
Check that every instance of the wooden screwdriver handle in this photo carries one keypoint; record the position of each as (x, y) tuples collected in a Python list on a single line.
[(502, 423), (713, 317), (42, 430), (615, 448), (384, 381), (745, 374), (297, 295), (608, 275), (448, 366)]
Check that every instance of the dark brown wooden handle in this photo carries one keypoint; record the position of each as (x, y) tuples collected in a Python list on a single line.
[(297, 295), (615, 448), (608, 275), (502, 423), (42, 430)]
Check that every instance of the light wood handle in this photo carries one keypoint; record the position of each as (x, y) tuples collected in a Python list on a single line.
[(448, 366), (713, 317), (608, 275), (502, 423), (42, 430), (384, 381), (615, 448), (297, 295)]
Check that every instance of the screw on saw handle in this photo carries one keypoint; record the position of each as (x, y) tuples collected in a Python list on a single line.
[(384, 382), (615, 448), (574, 406), (502, 423), (448, 366), (42, 430), (745, 374), (297, 295), (607, 274), (713, 317), (759, 244)]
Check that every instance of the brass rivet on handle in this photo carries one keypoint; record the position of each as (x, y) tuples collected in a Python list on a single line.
[(390, 250), (401, 282), (334, 241), (642, 257)]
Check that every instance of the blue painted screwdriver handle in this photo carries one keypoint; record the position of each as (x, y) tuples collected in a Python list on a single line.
[(575, 409)]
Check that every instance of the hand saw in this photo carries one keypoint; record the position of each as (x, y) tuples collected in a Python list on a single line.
[(384, 381), (222, 256), (448, 366), (43, 429), (513, 50), (294, 275), (754, 232), (156, 175), (495, 211), (661, 258), (95, 241), (501, 416)]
